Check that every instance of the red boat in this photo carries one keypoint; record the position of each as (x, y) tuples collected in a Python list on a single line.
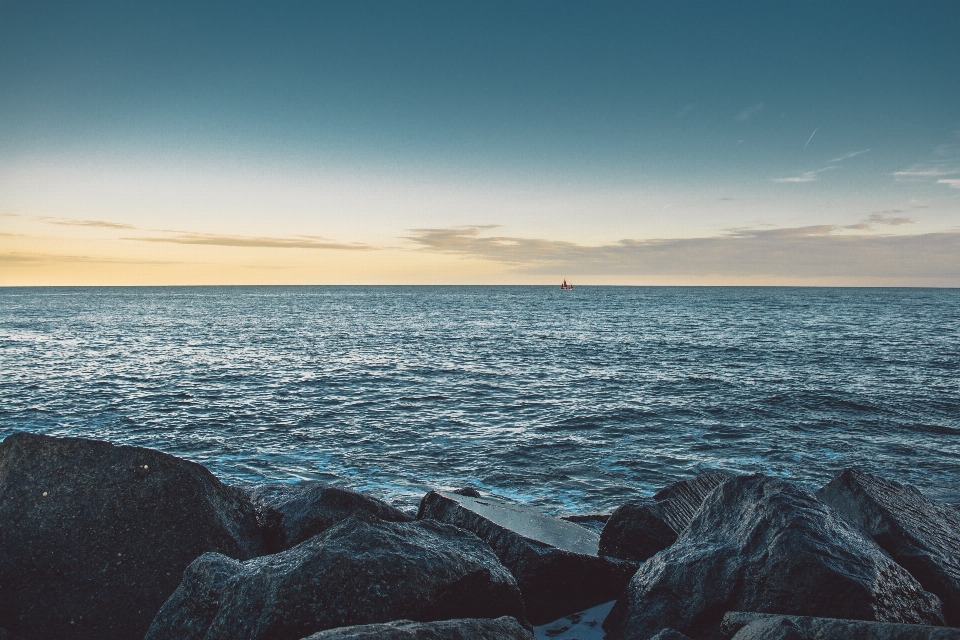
[(566, 287)]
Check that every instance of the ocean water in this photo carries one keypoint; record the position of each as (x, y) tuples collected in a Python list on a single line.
[(572, 401)]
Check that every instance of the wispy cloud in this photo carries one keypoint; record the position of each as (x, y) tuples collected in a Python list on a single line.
[(13, 257), (806, 176), (296, 242), (883, 217), (926, 173), (813, 251), (847, 156), (952, 183), (67, 222), (749, 112)]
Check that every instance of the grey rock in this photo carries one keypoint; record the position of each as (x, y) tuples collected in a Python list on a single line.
[(775, 628), (641, 528), (921, 534), (680, 501), (670, 634), (593, 521), (95, 537), (291, 513), (505, 628), (742, 625), (471, 492), (555, 562), (636, 531), (763, 544), (360, 571)]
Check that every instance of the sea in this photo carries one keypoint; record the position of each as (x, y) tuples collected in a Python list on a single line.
[(572, 402)]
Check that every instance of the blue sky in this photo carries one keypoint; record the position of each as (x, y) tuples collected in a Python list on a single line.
[(480, 142)]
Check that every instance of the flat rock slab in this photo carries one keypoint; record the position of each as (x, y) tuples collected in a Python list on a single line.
[(763, 544), (555, 562), (641, 528), (95, 537), (921, 534), (295, 512), (740, 625), (505, 628), (360, 571)]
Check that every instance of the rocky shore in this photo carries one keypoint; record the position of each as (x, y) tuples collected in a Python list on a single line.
[(116, 542)]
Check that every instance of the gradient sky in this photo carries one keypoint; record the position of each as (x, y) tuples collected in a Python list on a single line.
[(456, 142)]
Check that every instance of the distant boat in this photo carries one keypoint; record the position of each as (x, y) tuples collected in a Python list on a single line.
[(566, 287)]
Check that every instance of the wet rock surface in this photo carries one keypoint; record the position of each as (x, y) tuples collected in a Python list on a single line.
[(921, 534), (636, 531), (680, 501), (554, 561), (670, 634), (505, 628), (95, 537), (360, 571), (593, 521), (762, 544), (641, 528), (291, 513), (741, 625)]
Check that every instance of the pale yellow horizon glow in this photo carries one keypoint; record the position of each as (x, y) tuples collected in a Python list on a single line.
[(104, 223)]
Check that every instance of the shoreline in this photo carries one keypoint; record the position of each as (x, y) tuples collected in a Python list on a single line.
[(167, 515)]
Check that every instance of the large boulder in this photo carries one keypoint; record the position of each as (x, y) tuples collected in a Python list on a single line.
[(360, 571), (679, 502), (742, 625), (505, 628), (636, 531), (294, 512), (921, 534), (762, 544), (95, 537), (641, 528), (555, 562)]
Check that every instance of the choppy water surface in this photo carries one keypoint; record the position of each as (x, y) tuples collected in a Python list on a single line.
[(573, 401)]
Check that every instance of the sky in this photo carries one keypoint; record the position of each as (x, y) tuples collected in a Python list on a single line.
[(766, 143)]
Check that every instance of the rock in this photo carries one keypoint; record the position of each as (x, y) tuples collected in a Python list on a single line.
[(773, 628), (470, 492), (670, 634), (294, 512), (593, 521), (95, 537), (745, 626), (555, 562), (639, 529), (505, 628), (680, 501), (921, 534), (360, 571), (762, 544), (636, 531)]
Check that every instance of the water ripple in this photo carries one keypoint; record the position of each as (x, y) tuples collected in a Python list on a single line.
[(572, 401)]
